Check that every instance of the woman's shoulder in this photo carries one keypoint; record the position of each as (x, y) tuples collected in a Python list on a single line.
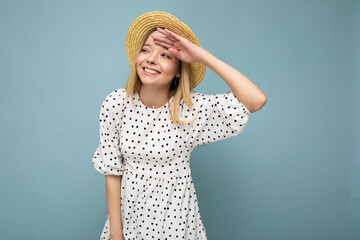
[(197, 98), (209, 100), (115, 98), (118, 92), (200, 98), (197, 95)]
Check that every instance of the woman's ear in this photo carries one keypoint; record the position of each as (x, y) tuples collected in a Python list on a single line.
[(179, 72)]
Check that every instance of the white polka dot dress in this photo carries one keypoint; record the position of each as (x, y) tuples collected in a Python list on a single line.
[(158, 198)]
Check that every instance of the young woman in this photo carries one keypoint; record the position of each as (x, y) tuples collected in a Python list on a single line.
[(146, 143)]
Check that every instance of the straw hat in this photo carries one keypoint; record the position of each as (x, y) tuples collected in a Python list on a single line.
[(142, 24)]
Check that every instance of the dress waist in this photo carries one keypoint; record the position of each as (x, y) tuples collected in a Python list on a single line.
[(157, 173)]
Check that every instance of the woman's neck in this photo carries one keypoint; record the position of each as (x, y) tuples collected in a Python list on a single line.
[(153, 98)]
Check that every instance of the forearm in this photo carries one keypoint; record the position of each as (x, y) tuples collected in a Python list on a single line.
[(244, 89), (113, 196)]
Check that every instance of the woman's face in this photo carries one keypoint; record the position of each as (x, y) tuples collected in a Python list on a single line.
[(153, 57)]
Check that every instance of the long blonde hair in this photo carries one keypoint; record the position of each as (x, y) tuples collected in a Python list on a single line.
[(181, 92)]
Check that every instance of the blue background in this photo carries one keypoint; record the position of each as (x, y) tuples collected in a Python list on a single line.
[(294, 173)]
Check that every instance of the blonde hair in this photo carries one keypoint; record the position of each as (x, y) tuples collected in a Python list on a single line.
[(181, 92)]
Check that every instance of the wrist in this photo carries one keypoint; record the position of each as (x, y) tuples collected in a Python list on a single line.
[(204, 57), (116, 233)]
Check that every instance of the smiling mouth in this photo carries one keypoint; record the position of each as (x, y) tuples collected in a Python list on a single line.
[(152, 72)]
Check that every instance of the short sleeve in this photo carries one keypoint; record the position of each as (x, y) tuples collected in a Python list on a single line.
[(220, 116), (107, 158)]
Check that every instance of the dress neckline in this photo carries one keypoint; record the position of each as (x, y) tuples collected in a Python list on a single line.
[(146, 107)]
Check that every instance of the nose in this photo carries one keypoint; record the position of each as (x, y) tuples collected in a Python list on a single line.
[(151, 58)]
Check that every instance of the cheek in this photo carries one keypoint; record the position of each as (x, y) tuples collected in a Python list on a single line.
[(138, 60), (137, 64), (170, 67)]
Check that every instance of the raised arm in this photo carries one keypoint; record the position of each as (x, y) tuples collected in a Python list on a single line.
[(244, 89)]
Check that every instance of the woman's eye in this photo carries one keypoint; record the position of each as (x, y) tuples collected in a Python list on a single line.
[(144, 50)]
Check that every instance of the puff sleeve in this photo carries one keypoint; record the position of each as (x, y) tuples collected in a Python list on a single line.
[(107, 158), (220, 116)]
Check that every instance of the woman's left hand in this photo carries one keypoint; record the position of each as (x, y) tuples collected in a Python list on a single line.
[(181, 47)]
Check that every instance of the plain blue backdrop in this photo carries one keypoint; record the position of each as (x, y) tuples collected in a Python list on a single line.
[(293, 174)]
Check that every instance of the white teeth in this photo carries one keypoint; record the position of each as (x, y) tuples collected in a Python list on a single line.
[(150, 71)]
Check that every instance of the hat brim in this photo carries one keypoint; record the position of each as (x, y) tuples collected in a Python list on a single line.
[(147, 21)]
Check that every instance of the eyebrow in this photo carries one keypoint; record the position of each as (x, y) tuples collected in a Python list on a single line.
[(146, 44)]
